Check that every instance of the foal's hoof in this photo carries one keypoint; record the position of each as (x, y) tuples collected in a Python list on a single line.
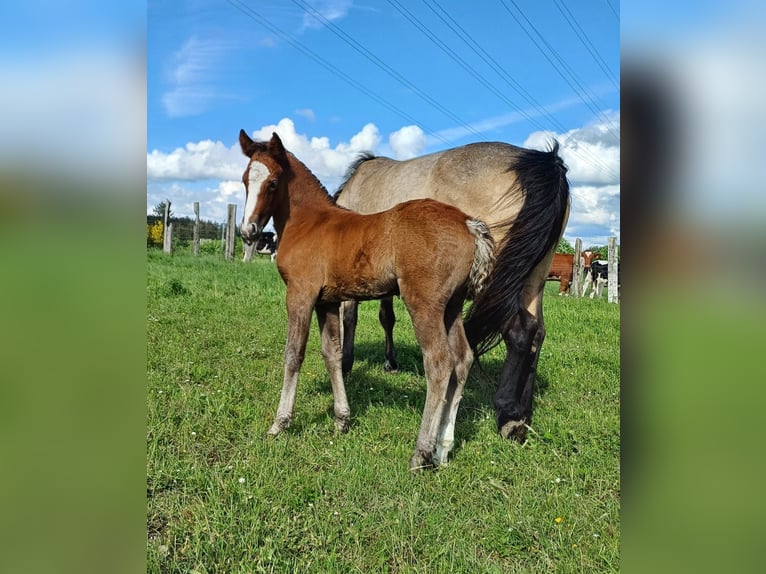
[(278, 426), (391, 366), (341, 424), (421, 460), (514, 430)]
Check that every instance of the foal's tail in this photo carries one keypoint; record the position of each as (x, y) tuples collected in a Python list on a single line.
[(534, 233), (484, 256)]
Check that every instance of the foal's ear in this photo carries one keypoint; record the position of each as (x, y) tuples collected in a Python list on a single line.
[(248, 146), (276, 149)]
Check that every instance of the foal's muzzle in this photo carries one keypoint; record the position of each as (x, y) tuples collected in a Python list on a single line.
[(250, 232)]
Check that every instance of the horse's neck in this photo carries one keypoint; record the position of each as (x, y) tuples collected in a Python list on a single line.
[(305, 192)]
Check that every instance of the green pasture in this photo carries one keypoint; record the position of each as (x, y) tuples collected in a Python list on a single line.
[(223, 498)]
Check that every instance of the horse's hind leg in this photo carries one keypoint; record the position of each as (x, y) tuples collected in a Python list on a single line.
[(299, 320), (462, 357), (349, 314), (513, 398), (328, 317), (387, 321)]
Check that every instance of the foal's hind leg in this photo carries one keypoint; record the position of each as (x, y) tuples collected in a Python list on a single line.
[(462, 358), (349, 314), (428, 323), (387, 321), (328, 317)]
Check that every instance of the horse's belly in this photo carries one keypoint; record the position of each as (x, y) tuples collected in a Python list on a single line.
[(358, 289)]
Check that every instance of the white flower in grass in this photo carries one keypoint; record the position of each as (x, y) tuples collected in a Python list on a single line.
[(241, 480)]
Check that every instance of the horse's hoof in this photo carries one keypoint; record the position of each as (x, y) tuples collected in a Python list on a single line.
[(514, 430), (391, 366), (341, 424), (421, 460)]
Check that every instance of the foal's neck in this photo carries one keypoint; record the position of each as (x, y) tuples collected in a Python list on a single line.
[(305, 191)]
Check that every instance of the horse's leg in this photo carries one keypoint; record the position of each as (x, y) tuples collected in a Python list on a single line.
[(428, 323), (328, 317), (298, 319), (513, 398), (349, 313), (462, 357), (387, 321)]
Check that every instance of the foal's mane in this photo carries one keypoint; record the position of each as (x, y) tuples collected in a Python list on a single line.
[(360, 159)]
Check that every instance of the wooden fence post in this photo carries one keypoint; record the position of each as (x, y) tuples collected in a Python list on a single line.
[(612, 294), (167, 230), (230, 230), (577, 266), (195, 244), (248, 251)]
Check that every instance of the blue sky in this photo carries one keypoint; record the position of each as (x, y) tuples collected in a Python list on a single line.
[(336, 77)]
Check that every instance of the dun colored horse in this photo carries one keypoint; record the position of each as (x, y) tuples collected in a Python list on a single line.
[(430, 254), (523, 195)]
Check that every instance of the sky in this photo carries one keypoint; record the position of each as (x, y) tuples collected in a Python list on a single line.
[(402, 79)]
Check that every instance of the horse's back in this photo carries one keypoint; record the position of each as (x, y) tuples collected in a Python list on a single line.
[(476, 178)]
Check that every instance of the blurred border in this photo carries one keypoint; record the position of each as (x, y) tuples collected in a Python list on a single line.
[(72, 343), (693, 214)]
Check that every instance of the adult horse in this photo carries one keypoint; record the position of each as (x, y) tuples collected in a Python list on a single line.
[(328, 254), (523, 195)]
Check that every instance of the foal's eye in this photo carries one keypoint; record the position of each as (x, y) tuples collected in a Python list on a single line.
[(272, 185)]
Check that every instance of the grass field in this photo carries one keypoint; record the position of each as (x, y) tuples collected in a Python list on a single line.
[(223, 498)]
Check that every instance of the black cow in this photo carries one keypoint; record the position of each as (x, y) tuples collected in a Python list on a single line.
[(599, 276)]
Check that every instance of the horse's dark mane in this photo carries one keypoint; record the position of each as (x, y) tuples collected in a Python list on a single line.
[(360, 159)]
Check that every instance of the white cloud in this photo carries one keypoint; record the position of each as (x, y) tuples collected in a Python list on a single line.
[(306, 113), (407, 142), (181, 174), (330, 9), (184, 175), (592, 153), (201, 160), (191, 77)]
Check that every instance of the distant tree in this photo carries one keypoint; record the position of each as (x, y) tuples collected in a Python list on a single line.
[(564, 247), (159, 211)]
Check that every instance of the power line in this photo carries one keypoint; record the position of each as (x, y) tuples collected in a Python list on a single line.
[(583, 36), (383, 66), (466, 37), (253, 14), (459, 31), (574, 82), (614, 11), (460, 61)]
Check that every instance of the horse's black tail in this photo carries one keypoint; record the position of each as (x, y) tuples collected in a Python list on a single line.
[(533, 233)]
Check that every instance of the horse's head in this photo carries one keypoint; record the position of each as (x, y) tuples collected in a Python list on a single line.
[(262, 182)]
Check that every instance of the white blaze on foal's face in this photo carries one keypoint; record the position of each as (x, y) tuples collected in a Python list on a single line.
[(256, 175)]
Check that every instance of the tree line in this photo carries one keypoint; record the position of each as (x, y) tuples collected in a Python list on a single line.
[(183, 228)]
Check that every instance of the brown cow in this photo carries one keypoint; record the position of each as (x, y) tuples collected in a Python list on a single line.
[(562, 268)]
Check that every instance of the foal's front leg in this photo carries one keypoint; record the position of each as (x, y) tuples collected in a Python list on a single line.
[(299, 319), (328, 317)]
